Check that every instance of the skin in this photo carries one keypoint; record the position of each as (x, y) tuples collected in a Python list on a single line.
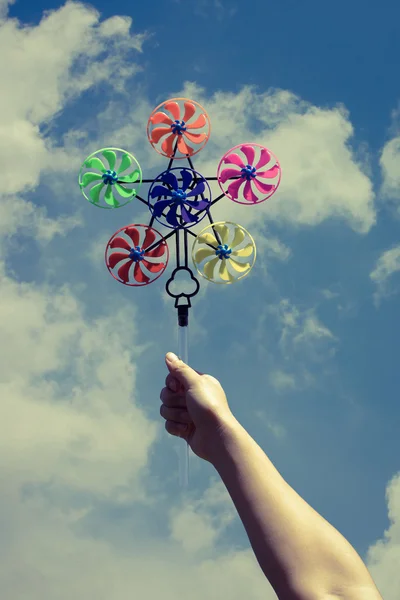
[(302, 555)]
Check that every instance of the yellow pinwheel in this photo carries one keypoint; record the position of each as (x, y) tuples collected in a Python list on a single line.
[(224, 252)]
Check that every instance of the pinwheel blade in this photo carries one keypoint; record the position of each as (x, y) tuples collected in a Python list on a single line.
[(170, 179), (187, 180), (224, 273), (119, 242), (95, 163), (150, 238), (134, 176), (248, 193), (190, 109), (238, 237), (111, 158), (174, 109), (234, 159), (199, 205), (95, 192), (116, 257), (89, 178), (223, 231), (160, 206), (244, 252), (161, 117), (208, 238), (109, 197), (196, 138), (187, 216), (138, 274), (183, 147), (168, 145), (172, 218), (123, 271), (229, 174), (265, 157), (152, 267), (203, 253), (124, 192), (270, 174), (265, 188), (157, 251), (249, 153), (125, 163), (209, 268), (160, 190), (234, 187), (240, 267), (159, 132), (134, 235), (198, 123), (197, 190)]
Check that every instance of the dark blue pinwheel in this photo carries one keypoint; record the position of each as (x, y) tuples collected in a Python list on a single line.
[(184, 199)]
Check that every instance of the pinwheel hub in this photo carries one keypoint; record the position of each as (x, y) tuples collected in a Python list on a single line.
[(223, 251), (110, 177), (136, 254), (179, 195), (248, 172), (178, 127)]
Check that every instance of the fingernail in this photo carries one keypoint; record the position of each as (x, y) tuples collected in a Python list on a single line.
[(171, 357)]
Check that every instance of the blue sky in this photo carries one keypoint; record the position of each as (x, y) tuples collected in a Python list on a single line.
[(306, 346)]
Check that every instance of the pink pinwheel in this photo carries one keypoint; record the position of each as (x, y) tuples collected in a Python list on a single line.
[(137, 255), (248, 174), (176, 130)]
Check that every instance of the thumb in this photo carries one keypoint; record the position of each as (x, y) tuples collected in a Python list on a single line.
[(183, 373)]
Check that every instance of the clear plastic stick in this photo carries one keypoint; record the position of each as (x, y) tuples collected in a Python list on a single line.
[(183, 349)]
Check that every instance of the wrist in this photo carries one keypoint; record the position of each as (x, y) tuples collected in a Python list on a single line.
[(224, 435)]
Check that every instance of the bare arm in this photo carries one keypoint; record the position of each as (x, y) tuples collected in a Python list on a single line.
[(301, 554)]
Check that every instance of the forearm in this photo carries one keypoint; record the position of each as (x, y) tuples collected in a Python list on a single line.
[(297, 549)]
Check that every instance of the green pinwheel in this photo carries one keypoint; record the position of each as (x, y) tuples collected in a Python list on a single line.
[(107, 187)]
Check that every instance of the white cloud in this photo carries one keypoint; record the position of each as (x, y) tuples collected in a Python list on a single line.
[(303, 333), (387, 265), (277, 430), (282, 381), (47, 67), (304, 345), (206, 518), (390, 165), (19, 215), (383, 557)]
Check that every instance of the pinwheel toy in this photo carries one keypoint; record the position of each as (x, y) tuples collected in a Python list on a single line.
[(178, 199)]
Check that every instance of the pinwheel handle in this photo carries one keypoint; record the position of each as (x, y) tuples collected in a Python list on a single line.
[(183, 351)]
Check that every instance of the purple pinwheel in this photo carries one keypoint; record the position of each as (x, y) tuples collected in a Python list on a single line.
[(185, 200), (258, 183)]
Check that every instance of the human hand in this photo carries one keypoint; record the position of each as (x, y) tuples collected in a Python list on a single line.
[(195, 408)]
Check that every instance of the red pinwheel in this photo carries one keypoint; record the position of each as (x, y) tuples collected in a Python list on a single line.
[(147, 259), (258, 183), (171, 138)]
